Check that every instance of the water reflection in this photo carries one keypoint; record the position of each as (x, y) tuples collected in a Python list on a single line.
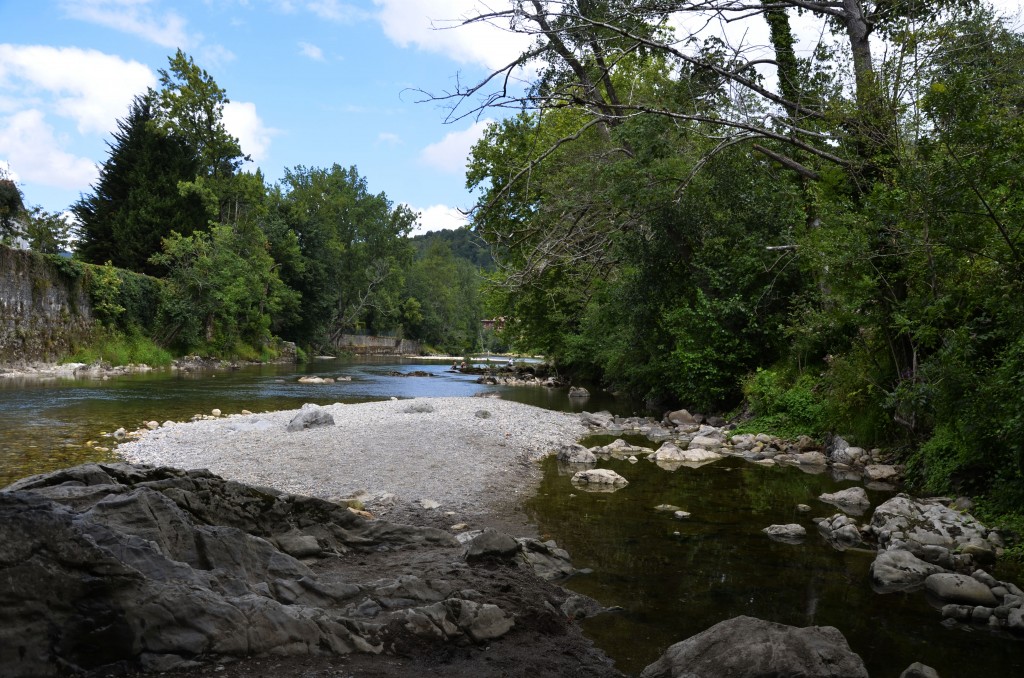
[(674, 578)]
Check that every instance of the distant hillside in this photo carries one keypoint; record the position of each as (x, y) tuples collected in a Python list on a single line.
[(463, 242)]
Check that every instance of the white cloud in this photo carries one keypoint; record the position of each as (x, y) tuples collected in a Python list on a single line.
[(28, 145), (333, 10), (438, 218), (450, 154), (311, 51), (90, 87), (430, 25), (241, 120), (136, 17), (389, 138)]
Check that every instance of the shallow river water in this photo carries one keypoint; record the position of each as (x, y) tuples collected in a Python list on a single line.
[(671, 578)]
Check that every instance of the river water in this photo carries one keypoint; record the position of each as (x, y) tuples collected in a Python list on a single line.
[(671, 578)]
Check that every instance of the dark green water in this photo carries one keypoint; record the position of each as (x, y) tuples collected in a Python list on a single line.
[(676, 578), (672, 578)]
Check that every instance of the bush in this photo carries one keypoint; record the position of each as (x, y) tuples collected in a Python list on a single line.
[(782, 405), (119, 348)]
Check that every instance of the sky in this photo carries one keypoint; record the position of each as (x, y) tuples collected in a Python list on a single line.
[(310, 83)]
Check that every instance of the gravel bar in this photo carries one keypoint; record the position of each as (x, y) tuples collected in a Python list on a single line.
[(467, 454)]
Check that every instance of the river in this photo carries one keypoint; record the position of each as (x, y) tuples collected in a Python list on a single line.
[(671, 578)]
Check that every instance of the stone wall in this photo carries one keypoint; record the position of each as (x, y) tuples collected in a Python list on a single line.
[(368, 345), (44, 311)]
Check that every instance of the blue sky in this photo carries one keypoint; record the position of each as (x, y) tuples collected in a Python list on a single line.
[(311, 82)]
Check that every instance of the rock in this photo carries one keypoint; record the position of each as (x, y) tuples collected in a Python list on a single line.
[(899, 571), (803, 508), (619, 449), (681, 418), (141, 567), (578, 392), (810, 458), (667, 508), (880, 472), (745, 647), (705, 442), (1015, 620), (919, 670), (601, 419), (492, 544), (958, 588), (152, 425), (215, 412), (680, 515), (482, 414), (310, 416), (841, 532), (429, 504), (576, 454), (545, 559), (299, 545), (119, 434), (418, 408), (930, 530), (786, 533), (599, 480), (851, 500), (671, 453)]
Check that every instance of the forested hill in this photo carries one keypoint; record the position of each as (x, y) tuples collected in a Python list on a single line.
[(463, 243)]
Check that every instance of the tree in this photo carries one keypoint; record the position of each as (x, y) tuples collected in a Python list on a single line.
[(12, 208), (136, 202), (352, 249), (47, 232)]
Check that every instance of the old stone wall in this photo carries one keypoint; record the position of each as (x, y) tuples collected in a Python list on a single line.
[(44, 308), (370, 345)]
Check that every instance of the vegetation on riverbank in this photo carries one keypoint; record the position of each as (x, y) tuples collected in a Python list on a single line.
[(830, 243)]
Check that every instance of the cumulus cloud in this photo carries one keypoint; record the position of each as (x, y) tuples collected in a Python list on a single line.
[(242, 120), (438, 218), (421, 24), (136, 17), (90, 87), (450, 154), (311, 51), (29, 147)]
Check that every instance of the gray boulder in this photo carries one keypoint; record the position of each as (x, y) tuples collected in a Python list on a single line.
[(492, 544), (790, 534), (310, 416), (578, 392), (745, 647), (919, 670), (961, 589), (899, 571), (681, 418), (576, 454), (852, 500), (841, 531)]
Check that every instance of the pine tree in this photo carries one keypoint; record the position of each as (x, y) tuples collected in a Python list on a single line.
[(137, 202)]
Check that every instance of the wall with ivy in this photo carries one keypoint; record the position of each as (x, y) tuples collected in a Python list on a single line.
[(49, 304)]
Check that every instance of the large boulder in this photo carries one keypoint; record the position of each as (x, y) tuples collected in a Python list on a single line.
[(961, 589), (576, 454), (932, 532), (745, 647), (899, 571), (791, 533), (670, 456), (599, 480)]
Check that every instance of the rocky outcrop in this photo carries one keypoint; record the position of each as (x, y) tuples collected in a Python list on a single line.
[(745, 647), (119, 567)]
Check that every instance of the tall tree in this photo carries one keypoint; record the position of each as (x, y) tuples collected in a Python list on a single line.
[(136, 202), (11, 208)]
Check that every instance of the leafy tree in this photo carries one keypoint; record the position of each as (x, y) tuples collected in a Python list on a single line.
[(443, 307), (47, 232), (352, 250)]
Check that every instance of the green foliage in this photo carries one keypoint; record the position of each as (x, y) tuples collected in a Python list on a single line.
[(443, 306), (11, 208), (119, 348), (46, 232), (784, 405), (105, 290)]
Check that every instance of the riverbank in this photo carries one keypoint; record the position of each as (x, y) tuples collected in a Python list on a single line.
[(470, 456)]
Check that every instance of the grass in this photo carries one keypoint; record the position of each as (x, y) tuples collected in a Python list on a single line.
[(117, 348)]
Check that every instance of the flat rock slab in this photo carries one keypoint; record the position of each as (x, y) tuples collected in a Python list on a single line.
[(959, 588)]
